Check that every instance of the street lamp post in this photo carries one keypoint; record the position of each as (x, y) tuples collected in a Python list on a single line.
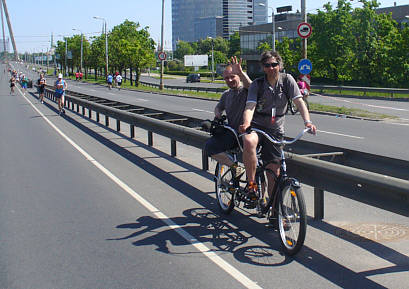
[(106, 43), (273, 23), (82, 37), (161, 44), (212, 57), (66, 55)]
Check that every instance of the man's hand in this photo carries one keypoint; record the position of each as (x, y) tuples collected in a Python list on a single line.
[(236, 65), (313, 128), (243, 128)]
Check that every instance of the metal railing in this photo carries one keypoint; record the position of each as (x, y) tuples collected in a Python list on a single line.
[(382, 191), (321, 88)]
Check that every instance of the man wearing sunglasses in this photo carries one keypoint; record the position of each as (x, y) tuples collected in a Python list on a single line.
[(265, 109)]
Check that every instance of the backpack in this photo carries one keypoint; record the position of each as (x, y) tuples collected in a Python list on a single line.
[(260, 85)]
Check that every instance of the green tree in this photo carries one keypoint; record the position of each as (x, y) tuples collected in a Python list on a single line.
[(183, 48), (131, 47), (234, 45)]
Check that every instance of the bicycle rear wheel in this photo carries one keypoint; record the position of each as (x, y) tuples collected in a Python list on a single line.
[(224, 188), (292, 218)]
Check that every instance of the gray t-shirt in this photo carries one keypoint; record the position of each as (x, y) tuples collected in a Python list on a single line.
[(233, 101), (272, 100)]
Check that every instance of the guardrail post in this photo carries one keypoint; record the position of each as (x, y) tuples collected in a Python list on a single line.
[(78, 107), (83, 110), (150, 138), (118, 125), (132, 130), (106, 120), (205, 161), (89, 113), (98, 117), (172, 148), (318, 204)]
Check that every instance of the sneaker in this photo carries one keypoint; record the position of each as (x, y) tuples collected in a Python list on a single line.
[(63, 111), (42, 101), (237, 171)]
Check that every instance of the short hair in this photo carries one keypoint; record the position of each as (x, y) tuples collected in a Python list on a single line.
[(270, 54)]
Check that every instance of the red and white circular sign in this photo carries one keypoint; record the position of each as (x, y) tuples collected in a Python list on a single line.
[(304, 30), (162, 55)]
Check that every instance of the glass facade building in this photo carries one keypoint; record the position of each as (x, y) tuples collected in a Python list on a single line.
[(193, 20)]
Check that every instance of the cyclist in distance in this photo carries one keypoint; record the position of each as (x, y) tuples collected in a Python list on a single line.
[(265, 109), (232, 102)]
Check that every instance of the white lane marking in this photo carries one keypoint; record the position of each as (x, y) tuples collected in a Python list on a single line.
[(363, 104), (111, 93), (340, 134), (90, 89), (236, 274), (202, 110)]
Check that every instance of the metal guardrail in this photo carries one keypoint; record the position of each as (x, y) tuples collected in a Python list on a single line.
[(375, 189), (321, 88), (197, 89)]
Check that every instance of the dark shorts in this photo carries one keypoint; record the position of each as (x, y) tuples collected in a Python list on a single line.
[(58, 94), (12, 85), (41, 90), (119, 83), (220, 143), (270, 153), (109, 82)]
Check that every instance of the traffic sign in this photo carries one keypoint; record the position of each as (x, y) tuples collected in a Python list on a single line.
[(304, 30), (162, 55), (304, 66)]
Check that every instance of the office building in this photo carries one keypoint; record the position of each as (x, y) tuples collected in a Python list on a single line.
[(193, 20)]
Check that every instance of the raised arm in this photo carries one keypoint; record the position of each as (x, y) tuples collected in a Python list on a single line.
[(237, 69)]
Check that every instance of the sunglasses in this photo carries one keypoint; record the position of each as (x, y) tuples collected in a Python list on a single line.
[(273, 64)]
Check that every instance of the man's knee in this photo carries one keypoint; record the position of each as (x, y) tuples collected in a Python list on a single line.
[(250, 141)]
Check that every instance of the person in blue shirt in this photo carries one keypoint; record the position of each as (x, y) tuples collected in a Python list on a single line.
[(109, 80), (60, 87)]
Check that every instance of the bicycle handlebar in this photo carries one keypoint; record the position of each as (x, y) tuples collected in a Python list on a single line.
[(271, 139), (283, 142)]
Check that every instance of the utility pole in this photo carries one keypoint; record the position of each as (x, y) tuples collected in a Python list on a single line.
[(161, 46), (10, 29), (304, 18), (4, 38)]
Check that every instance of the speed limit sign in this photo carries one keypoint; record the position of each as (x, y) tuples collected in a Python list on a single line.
[(304, 30), (162, 55)]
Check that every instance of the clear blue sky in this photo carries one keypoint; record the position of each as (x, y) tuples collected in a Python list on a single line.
[(33, 21)]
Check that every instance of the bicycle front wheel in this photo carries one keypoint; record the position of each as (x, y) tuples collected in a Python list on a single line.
[(224, 188), (292, 218)]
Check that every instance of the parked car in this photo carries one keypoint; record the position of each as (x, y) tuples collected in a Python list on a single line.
[(193, 77)]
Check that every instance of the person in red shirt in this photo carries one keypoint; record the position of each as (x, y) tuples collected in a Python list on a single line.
[(77, 76), (80, 75)]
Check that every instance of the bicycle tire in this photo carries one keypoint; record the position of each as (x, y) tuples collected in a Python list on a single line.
[(291, 217), (223, 187)]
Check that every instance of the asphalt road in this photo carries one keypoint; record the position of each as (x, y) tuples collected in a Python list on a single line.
[(82, 206)]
